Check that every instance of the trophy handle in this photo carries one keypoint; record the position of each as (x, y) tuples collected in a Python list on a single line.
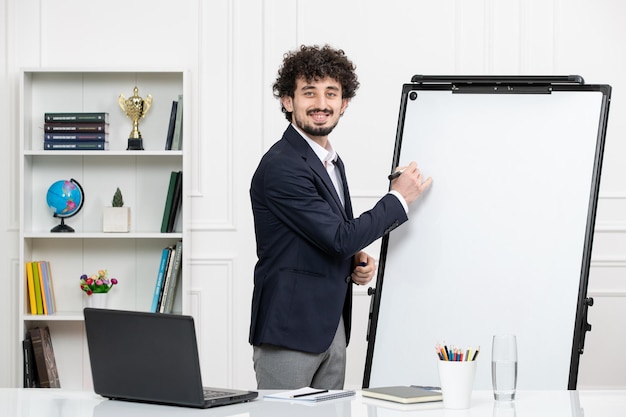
[(147, 103), (122, 102)]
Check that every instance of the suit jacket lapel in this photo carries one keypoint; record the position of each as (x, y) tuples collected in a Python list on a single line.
[(294, 138)]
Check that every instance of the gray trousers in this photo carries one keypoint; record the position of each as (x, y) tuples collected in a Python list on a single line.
[(280, 368)]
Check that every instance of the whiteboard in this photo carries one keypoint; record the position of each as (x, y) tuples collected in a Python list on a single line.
[(501, 241)]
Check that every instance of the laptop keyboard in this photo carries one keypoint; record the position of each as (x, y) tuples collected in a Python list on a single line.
[(209, 393)]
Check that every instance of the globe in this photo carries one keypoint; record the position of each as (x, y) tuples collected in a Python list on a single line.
[(65, 198)]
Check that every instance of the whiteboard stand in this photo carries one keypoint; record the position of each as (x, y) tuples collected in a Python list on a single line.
[(501, 242)]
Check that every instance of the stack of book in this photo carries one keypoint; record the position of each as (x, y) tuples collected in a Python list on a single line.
[(167, 279), (40, 289), (76, 131), (40, 369)]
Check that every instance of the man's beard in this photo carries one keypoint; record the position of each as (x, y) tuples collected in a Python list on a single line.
[(314, 130)]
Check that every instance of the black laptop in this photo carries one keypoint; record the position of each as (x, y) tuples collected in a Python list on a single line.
[(150, 357)]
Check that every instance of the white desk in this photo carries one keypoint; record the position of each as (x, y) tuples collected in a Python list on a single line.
[(63, 403)]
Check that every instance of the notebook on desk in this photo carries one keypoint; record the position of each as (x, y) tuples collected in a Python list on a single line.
[(150, 357)]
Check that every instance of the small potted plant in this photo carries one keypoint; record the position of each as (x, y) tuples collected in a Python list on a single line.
[(97, 287), (117, 217)]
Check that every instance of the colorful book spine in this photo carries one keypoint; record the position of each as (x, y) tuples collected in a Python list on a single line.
[(45, 289), (167, 279), (44, 272), (158, 286), (40, 288), (67, 136), (50, 280), (76, 127), (76, 145), (173, 281), (77, 117), (37, 286), (30, 284)]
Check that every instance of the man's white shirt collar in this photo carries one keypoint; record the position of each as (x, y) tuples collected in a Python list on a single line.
[(325, 155), (330, 155)]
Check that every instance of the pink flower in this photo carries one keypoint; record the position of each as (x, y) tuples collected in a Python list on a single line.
[(97, 283)]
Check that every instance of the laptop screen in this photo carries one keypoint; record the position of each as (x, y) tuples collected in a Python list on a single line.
[(144, 356)]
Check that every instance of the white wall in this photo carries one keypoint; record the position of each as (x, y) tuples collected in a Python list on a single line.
[(233, 48)]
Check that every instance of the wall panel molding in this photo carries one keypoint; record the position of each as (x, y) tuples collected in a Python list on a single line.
[(211, 296), (213, 160), (607, 294), (10, 320), (610, 227), (205, 225), (606, 262)]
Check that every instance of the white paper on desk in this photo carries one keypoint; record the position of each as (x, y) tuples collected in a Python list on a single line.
[(295, 395)]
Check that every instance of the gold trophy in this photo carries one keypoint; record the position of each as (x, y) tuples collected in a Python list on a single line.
[(135, 108)]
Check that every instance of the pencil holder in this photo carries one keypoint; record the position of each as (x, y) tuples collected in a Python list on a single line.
[(456, 379)]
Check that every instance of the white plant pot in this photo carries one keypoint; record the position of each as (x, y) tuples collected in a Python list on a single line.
[(97, 300), (116, 219)]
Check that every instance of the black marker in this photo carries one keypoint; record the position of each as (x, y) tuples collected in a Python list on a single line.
[(395, 175)]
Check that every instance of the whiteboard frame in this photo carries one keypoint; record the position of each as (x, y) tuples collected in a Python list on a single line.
[(503, 85)]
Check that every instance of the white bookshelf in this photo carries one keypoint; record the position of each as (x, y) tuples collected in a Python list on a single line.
[(142, 176)]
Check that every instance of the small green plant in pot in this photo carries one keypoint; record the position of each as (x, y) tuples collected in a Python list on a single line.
[(116, 219), (118, 199)]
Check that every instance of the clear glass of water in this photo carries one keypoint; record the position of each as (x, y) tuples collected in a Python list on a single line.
[(504, 367)]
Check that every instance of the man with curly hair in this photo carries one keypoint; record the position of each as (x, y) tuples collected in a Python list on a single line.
[(309, 245)]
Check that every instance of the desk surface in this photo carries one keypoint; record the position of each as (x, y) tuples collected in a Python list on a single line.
[(63, 403)]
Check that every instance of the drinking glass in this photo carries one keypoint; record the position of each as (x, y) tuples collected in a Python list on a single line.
[(504, 367)]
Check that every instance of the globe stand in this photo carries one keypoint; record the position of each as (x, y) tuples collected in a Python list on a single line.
[(66, 199), (63, 228)]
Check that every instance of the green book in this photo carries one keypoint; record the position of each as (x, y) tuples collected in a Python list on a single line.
[(176, 202), (169, 199), (37, 286)]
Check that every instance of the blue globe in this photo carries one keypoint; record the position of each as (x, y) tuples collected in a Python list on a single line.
[(65, 198)]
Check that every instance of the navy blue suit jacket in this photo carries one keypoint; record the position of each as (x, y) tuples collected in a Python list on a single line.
[(306, 241)]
